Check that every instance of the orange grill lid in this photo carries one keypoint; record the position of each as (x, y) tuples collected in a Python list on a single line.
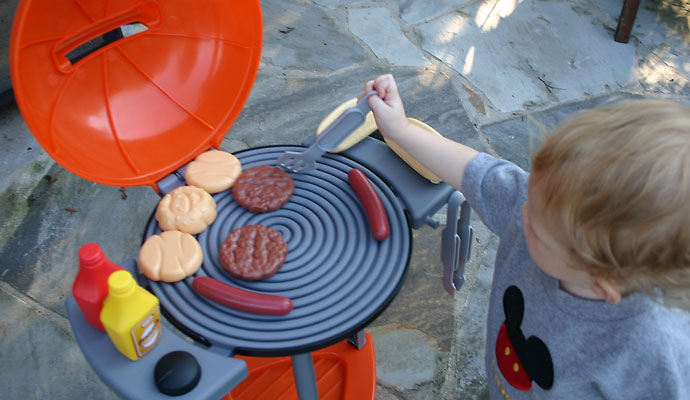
[(133, 111)]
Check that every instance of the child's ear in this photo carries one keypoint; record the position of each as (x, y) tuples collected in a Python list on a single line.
[(606, 288)]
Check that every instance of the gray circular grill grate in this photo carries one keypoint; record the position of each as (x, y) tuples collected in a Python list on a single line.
[(338, 276)]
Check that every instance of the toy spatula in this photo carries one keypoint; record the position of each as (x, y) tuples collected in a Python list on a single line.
[(328, 140)]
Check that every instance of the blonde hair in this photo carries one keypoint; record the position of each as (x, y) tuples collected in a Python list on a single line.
[(617, 181)]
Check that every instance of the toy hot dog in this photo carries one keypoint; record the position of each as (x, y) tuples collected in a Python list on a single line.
[(240, 299), (376, 213)]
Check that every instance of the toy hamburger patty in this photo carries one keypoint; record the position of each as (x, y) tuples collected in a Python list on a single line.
[(253, 252), (263, 188)]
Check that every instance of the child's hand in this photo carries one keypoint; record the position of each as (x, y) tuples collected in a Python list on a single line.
[(387, 107), (445, 158)]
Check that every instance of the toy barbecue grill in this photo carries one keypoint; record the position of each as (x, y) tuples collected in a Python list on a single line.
[(136, 108)]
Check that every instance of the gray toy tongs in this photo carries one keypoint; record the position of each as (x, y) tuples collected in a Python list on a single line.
[(456, 242), (328, 140)]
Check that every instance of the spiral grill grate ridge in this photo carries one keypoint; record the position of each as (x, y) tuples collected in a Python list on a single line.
[(336, 273)]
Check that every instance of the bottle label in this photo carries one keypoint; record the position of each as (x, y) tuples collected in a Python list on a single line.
[(147, 332)]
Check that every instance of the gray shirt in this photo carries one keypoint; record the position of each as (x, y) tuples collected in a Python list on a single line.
[(545, 343)]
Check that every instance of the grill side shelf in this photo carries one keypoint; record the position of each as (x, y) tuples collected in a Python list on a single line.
[(134, 379)]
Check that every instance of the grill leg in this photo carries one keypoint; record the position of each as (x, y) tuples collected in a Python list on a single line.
[(305, 378), (358, 339)]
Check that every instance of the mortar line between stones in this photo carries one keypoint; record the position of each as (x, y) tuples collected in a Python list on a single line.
[(59, 320)]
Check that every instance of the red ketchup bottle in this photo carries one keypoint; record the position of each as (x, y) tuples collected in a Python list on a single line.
[(90, 287)]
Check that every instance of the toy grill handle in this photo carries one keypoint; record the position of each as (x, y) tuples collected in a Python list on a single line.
[(148, 13)]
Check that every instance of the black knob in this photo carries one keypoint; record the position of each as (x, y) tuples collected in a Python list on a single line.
[(177, 373)]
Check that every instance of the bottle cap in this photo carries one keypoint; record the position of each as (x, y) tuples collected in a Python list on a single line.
[(90, 255), (120, 282)]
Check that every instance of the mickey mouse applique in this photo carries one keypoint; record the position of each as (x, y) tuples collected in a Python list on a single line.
[(521, 360)]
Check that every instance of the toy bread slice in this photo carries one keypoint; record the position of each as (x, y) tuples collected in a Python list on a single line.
[(416, 165), (187, 208), (213, 171), (364, 130), (170, 256)]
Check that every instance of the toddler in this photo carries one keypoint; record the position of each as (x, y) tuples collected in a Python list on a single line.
[(592, 276)]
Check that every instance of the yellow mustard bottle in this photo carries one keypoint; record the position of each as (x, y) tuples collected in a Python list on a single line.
[(131, 316)]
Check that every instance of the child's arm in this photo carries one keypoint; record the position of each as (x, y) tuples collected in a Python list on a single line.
[(444, 157)]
